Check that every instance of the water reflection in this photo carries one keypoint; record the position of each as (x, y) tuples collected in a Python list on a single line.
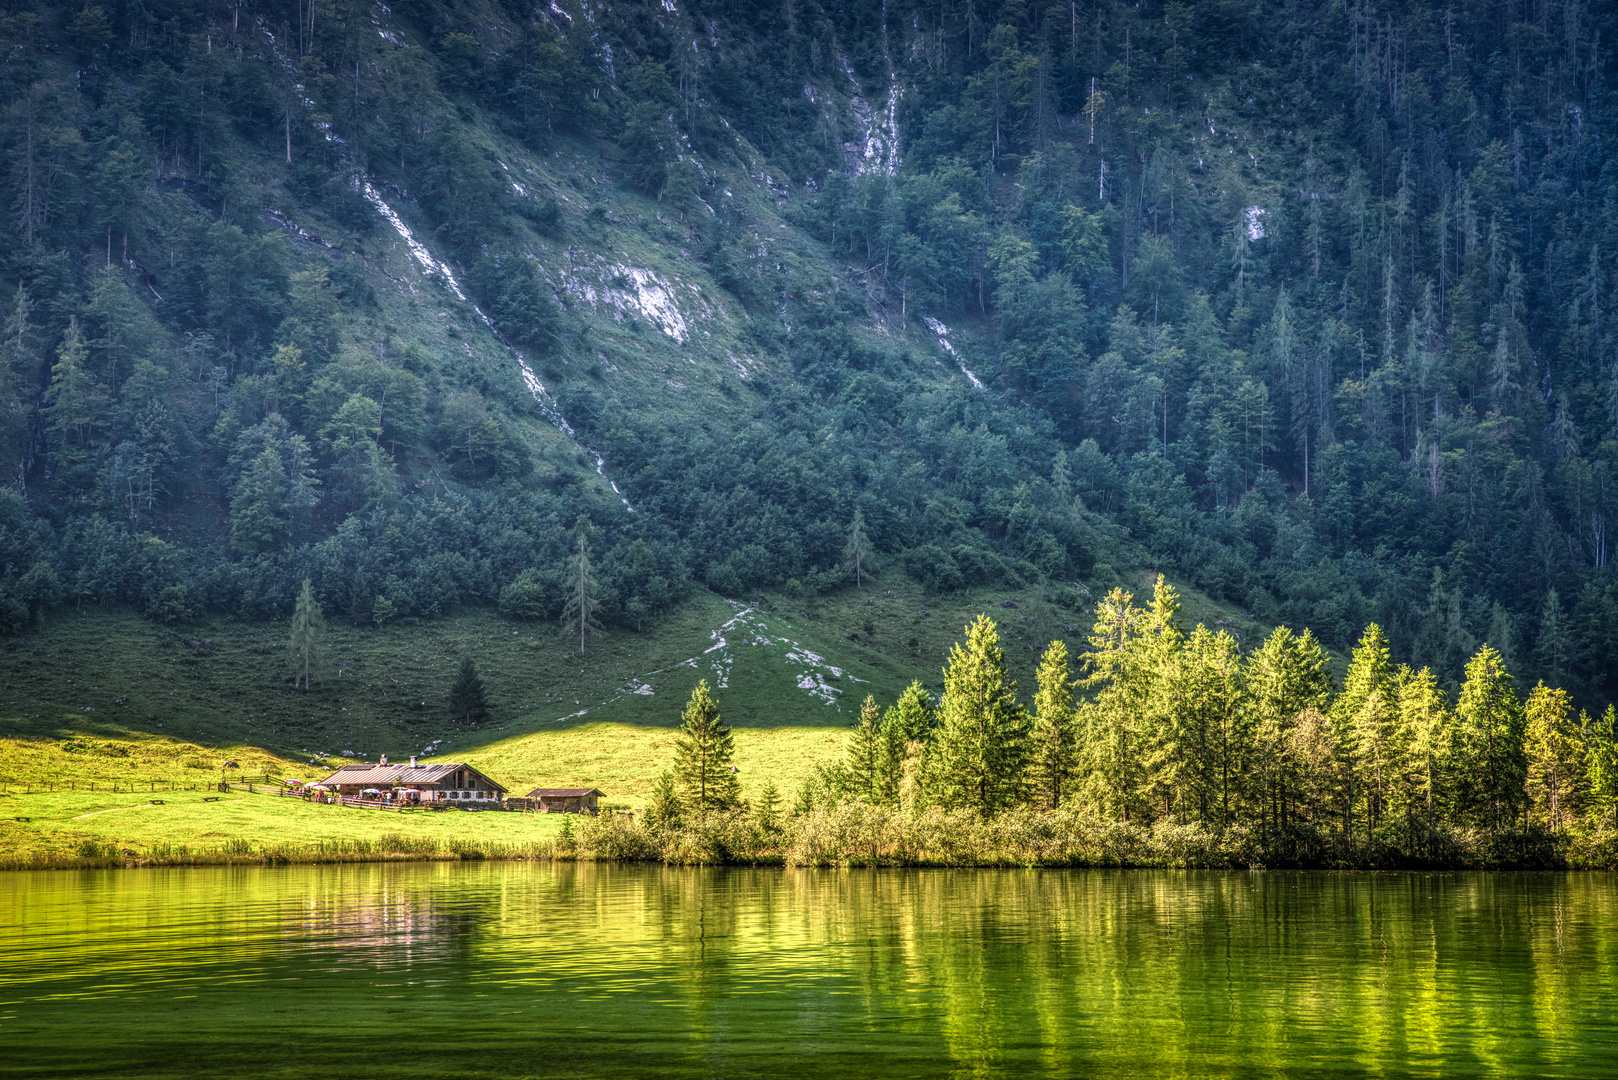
[(518, 969)]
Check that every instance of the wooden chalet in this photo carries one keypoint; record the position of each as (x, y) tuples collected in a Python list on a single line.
[(455, 783), (563, 800)]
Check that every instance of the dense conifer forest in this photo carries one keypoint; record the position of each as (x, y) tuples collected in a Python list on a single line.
[(1310, 305)]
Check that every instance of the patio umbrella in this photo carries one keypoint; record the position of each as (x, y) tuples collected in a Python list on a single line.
[(371, 791)]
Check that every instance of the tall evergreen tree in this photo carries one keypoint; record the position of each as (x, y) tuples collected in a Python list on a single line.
[(579, 615), (1428, 731), (857, 551), (1557, 777), (1285, 676), (865, 752), (1054, 738), (1367, 726), (1489, 724), (907, 731), (982, 739), (467, 700), (1601, 757), (1553, 651), (702, 753), (912, 714), (303, 646), (664, 811)]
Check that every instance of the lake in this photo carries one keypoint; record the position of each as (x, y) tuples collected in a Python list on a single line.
[(472, 970)]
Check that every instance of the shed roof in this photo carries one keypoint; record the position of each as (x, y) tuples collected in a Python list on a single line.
[(564, 792), (405, 775)]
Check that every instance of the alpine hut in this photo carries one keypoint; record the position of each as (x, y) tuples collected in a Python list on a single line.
[(454, 783), (564, 800)]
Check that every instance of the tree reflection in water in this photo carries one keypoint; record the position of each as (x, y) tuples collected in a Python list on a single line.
[(555, 969)]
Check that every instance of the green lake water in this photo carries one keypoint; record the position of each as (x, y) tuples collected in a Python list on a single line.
[(513, 970)]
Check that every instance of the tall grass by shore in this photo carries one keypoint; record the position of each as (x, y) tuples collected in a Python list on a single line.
[(857, 835)]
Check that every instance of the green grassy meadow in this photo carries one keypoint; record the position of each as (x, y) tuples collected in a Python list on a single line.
[(60, 822), (106, 697)]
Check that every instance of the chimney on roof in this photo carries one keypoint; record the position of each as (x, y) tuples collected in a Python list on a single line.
[(384, 759), (412, 761)]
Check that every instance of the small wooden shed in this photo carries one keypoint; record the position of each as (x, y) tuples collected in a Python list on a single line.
[(564, 800)]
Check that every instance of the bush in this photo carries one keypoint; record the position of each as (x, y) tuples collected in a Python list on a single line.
[(621, 838), (533, 597)]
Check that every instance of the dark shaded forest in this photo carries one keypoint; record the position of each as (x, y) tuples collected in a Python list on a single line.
[(1308, 304)]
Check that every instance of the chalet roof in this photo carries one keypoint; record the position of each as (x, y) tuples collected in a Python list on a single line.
[(563, 792), (405, 775)]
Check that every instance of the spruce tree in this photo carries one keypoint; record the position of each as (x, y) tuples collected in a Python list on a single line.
[(1489, 726), (857, 552), (769, 808), (907, 728), (912, 714), (1285, 676), (1553, 651), (1053, 735), (1154, 671), (702, 753), (1211, 723), (303, 646), (664, 811), (1367, 727), (1601, 756), (1114, 737), (583, 600), (1557, 777), (892, 753), (1428, 729), (467, 702), (865, 753), (982, 741)]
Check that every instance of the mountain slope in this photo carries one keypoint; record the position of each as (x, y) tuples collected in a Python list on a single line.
[(1306, 305)]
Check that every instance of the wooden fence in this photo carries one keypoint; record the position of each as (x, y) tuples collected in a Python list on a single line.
[(28, 787)]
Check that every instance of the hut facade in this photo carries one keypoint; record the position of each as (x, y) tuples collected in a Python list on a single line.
[(456, 783), (553, 800)]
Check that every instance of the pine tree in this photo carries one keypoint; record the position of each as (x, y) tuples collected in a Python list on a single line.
[(769, 808), (467, 702), (893, 750), (1428, 728), (982, 739), (702, 753), (75, 402), (857, 552), (912, 714), (1209, 717), (907, 731), (665, 810), (1553, 651), (1285, 676), (1367, 730), (1166, 756), (303, 648), (865, 752), (1489, 723), (259, 517), (1114, 726), (1053, 735), (1601, 756), (583, 600), (1557, 779)]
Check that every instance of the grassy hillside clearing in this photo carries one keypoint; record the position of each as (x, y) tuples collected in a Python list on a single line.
[(79, 824), (774, 662), (107, 697)]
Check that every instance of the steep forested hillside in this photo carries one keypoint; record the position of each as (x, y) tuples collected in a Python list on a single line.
[(1310, 304)]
